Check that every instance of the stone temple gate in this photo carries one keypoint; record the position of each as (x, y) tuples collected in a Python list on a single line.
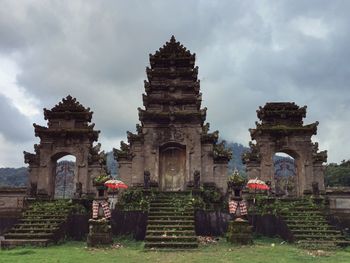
[(172, 143), (282, 130), (68, 133)]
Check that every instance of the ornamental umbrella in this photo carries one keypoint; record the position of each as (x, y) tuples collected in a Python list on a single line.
[(115, 184), (257, 184)]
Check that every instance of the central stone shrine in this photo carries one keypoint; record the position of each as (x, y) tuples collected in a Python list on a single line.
[(172, 143)]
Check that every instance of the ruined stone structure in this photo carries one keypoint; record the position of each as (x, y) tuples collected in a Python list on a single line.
[(282, 130), (68, 133), (172, 143)]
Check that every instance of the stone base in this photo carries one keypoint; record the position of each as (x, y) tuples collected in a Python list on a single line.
[(94, 240), (99, 233), (239, 232)]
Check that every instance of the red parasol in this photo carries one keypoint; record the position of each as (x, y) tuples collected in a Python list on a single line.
[(115, 184), (257, 184)]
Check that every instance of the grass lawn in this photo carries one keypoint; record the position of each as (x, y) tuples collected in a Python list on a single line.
[(263, 250)]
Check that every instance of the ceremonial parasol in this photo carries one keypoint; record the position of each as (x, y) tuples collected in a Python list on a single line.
[(257, 184), (115, 184)]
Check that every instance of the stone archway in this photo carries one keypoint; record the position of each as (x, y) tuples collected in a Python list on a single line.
[(172, 167), (285, 173), (68, 132), (64, 173), (282, 130)]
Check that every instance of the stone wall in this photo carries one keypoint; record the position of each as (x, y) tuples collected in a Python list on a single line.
[(11, 206), (339, 206), (12, 200)]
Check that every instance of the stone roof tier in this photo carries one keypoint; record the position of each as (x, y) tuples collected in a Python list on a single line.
[(281, 113), (68, 108)]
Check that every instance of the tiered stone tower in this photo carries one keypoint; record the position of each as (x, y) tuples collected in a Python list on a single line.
[(172, 143), (282, 130)]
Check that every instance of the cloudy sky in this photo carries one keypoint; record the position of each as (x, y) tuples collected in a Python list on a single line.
[(248, 53)]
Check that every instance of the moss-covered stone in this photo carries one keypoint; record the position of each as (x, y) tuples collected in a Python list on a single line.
[(239, 232)]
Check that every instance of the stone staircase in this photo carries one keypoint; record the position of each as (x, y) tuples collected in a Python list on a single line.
[(171, 222), (42, 223), (309, 227)]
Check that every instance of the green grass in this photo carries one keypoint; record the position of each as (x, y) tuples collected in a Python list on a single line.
[(263, 250)]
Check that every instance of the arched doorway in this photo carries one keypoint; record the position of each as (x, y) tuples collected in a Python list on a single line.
[(285, 174), (172, 167), (64, 172)]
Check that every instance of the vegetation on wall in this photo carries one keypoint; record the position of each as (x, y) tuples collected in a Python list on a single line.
[(134, 199)]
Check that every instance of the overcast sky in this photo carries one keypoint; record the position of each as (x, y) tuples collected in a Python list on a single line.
[(248, 53)]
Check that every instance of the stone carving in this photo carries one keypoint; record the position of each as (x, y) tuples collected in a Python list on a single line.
[(123, 153), (171, 134), (221, 153), (252, 156), (95, 156)]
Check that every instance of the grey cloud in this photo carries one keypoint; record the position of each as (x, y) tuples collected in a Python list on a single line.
[(248, 53), (15, 127)]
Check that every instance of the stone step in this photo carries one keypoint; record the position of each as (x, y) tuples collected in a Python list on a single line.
[(303, 208), (38, 225), (172, 197), (305, 222), (33, 230), (304, 213), (38, 213), (28, 236), (167, 203), (315, 231), (171, 239), (311, 227), (170, 209), (169, 227), (44, 217), (170, 232), (28, 226), (169, 245), (11, 243), (322, 244), (169, 217), (305, 217), (171, 222), (170, 213), (318, 236), (42, 221)]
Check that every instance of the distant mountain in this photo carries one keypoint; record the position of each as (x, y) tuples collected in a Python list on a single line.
[(112, 165), (236, 161), (13, 177)]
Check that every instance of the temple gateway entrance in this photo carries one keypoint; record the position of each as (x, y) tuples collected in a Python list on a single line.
[(69, 132), (282, 130), (172, 168)]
